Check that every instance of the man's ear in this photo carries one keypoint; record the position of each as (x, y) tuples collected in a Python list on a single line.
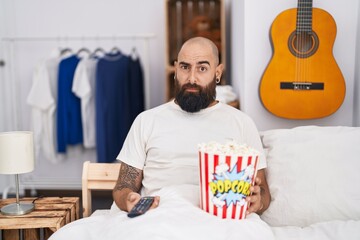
[(219, 70)]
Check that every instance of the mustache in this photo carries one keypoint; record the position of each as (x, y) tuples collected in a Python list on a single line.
[(189, 85)]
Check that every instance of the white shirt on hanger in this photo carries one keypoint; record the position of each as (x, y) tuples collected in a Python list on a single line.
[(84, 87), (42, 98)]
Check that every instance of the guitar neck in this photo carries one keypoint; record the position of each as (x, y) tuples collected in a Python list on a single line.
[(304, 16)]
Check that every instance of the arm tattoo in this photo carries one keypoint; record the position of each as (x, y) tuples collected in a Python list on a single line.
[(129, 177)]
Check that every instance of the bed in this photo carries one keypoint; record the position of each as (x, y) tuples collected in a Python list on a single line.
[(313, 176)]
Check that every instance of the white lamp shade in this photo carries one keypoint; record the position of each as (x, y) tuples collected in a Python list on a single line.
[(16, 152)]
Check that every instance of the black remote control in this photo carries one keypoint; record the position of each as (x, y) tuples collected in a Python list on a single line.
[(141, 206)]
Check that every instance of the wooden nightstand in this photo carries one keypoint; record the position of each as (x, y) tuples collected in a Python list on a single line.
[(50, 214)]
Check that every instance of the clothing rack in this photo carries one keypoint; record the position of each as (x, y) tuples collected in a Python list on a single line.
[(79, 38), (144, 38)]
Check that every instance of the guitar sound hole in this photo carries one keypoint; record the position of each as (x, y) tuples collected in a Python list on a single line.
[(303, 44)]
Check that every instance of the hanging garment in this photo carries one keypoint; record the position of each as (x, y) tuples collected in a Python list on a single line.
[(112, 105), (42, 98), (69, 126), (84, 88), (136, 85)]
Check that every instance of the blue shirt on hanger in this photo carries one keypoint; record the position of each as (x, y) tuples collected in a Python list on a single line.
[(69, 127), (112, 105), (136, 84)]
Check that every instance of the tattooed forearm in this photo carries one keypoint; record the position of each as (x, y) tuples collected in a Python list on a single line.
[(129, 177)]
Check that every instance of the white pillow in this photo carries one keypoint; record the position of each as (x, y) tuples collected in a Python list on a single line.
[(313, 175)]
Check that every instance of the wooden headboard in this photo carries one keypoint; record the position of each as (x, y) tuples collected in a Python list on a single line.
[(97, 176)]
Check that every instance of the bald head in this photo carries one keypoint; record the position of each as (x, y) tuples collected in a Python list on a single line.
[(201, 43)]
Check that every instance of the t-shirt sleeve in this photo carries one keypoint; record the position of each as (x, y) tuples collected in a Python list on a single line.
[(81, 85), (133, 151), (40, 93)]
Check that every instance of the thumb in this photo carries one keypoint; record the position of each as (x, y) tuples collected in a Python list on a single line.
[(131, 200), (131, 197)]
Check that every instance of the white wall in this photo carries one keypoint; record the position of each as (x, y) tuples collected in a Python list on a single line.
[(251, 52), (5, 180), (357, 77)]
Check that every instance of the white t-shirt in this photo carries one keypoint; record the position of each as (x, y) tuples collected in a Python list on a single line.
[(163, 141), (42, 98), (84, 87)]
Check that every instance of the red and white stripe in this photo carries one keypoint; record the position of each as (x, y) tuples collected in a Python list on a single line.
[(207, 166)]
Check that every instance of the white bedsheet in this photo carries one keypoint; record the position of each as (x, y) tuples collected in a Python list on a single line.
[(177, 217), (333, 230)]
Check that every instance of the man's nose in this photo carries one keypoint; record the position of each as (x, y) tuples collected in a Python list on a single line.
[(192, 77)]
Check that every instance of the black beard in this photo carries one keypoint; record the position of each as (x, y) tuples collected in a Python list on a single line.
[(194, 102)]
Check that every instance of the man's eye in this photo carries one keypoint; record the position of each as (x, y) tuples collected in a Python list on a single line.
[(202, 69), (185, 67)]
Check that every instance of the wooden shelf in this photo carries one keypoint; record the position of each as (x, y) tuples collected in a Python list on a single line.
[(191, 18)]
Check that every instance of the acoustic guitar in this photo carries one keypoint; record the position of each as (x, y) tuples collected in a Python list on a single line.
[(302, 79)]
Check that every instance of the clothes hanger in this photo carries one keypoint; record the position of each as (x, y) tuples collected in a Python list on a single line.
[(115, 50), (134, 53), (65, 51), (98, 51), (83, 49)]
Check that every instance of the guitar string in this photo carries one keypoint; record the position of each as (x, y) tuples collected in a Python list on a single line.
[(298, 42), (308, 43), (303, 62), (305, 42), (308, 39), (303, 46)]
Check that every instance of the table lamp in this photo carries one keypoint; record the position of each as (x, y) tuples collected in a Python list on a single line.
[(16, 157)]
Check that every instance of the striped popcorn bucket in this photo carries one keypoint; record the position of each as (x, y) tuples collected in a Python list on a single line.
[(225, 182)]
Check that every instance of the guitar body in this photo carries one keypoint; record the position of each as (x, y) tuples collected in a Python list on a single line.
[(308, 85)]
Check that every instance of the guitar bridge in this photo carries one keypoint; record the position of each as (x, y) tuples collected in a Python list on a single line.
[(302, 85)]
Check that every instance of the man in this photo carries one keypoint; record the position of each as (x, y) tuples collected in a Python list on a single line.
[(161, 147)]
